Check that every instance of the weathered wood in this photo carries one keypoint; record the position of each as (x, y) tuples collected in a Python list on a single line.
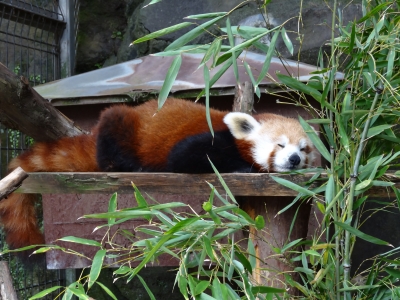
[(22, 108), (244, 98), (11, 182), (240, 184), (7, 291)]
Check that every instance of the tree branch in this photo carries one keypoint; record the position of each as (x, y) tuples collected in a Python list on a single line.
[(22, 108), (12, 182)]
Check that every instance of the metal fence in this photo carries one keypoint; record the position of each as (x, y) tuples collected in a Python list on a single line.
[(30, 33), (31, 36)]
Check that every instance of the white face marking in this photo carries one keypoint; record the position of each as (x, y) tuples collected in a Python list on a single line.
[(281, 155), (274, 152)]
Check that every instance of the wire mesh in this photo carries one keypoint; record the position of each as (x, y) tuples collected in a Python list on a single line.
[(30, 32), (29, 40)]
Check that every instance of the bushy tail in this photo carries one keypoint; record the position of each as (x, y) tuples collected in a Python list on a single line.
[(17, 211)]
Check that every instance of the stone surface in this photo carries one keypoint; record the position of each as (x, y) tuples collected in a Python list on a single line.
[(101, 28), (98, 48)]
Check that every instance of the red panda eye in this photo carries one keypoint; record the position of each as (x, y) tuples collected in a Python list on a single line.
[(302, 149), (282, 146)]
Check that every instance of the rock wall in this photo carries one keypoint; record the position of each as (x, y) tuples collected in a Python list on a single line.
[(106, 31)]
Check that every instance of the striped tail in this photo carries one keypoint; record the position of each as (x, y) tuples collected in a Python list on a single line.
[(17, 211)]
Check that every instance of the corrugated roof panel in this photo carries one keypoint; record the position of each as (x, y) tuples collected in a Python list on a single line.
[(146, 74)]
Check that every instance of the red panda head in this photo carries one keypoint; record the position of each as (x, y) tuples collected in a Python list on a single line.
[(272, 142)]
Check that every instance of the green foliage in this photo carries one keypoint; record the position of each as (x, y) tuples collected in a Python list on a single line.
[(195, 240), (356, 117), (357, 139)]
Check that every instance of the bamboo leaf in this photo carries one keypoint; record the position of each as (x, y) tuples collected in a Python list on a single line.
[(362, 235), (344, 140), (382, 183), (45, 292), (368, 78), (152, 2), (242, 46), (218, 74), (315, 139), (191, 35), (257, 90), (299, 86), (161, 32), (107, 290), (393, 272), (206, 75), (364, 184), (287, 41), (141, 201), (391, 58), (204, 296), (374, 11), (96, 267), (149, 292), (378, 129), (268, 58), (232, 44), (293, 186), (352, 37), (265, 290), (169, 80), (330, 190), (318, 121), (181, 225), (206, 16), (78, 240), (252, 253), (228, 191), (249, 31), (217, 290), (112, 206), (290, 245), (259, 222)]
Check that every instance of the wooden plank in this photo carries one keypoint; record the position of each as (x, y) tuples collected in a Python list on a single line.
[(240, 184), (166, 183)]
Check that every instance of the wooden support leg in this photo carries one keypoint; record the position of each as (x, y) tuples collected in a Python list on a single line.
[(272, 266), (7, 291)]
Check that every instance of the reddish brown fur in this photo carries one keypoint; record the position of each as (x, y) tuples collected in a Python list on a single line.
[(177, 118), (17, 212), (147, 122)]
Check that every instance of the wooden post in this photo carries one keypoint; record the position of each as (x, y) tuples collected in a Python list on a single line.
[(12, 182), (271, 266), (7, 291)]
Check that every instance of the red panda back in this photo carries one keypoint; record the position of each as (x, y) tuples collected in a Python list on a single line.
[(150, 134)]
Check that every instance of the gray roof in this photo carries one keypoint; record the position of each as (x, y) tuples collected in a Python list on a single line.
[(125, 81)]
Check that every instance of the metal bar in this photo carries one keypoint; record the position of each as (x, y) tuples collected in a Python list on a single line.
[(48, 22)]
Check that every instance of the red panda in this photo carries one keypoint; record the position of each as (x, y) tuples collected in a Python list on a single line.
[(175, 139)]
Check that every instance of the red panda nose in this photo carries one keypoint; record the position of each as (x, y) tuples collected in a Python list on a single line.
[(294, 159)]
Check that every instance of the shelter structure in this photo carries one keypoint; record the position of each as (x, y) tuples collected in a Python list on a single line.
[(68, 196)]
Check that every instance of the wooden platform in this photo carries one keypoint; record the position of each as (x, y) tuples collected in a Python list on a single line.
[(240, 184)]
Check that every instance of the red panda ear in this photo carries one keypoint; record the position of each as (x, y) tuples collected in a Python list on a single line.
[(241, 125)]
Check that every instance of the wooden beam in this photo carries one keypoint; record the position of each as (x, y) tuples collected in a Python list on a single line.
[(167, 183), (240, 184)]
